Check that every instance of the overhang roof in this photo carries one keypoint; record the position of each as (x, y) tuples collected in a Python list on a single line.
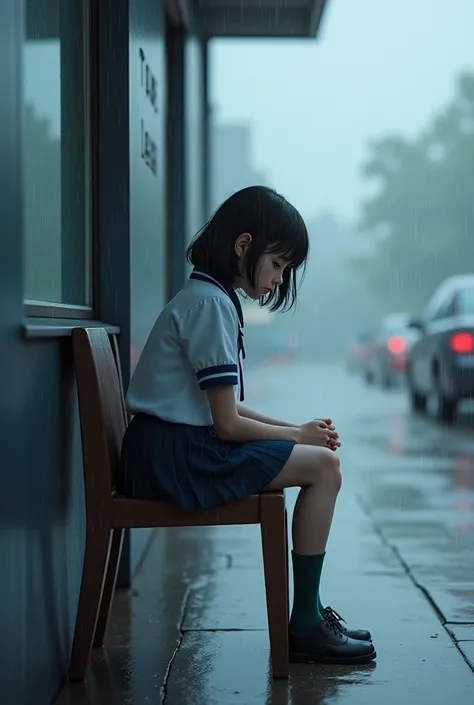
[(225, 18), (251, 18)]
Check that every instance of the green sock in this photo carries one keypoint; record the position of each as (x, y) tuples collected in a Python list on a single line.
[(306, 578), (321, 607)]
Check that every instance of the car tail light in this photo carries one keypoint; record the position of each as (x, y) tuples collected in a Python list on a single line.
[(462, 343), (396, 344)]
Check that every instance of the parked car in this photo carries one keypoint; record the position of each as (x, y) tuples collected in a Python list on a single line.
[(441, 363), (386, 364), (359, 350)]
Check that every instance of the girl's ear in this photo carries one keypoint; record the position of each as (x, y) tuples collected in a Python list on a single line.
[(242, 244)]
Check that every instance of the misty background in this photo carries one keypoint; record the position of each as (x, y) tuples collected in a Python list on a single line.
[(369, 132)]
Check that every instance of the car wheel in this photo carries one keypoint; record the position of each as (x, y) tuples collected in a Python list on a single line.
[(445, 408), (417, 400)]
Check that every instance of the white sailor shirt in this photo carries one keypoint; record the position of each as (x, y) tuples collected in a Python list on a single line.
[(196, 343)]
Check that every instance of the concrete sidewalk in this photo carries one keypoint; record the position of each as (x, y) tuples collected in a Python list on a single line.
[(197, 633), (193, 630), (363, 580)]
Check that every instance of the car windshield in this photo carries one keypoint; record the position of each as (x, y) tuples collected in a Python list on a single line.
[(466, 300)]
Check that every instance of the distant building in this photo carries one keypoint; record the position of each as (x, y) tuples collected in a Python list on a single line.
[(232, 165)]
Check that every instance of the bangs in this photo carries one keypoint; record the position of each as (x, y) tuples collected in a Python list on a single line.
[(291, 243)]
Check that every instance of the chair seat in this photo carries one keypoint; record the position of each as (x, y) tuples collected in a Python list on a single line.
[(141, 513)]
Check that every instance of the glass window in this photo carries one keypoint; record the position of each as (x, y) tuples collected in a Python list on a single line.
[(466, 301), (437, 304), (56, 153), (444, 308)]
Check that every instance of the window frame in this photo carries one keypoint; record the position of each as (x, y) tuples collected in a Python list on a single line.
[(48, 309)]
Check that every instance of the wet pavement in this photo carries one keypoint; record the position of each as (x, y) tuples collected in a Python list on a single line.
[(400, 562)]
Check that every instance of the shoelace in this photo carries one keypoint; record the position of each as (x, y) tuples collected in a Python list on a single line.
[(333, 626), (332, 617)]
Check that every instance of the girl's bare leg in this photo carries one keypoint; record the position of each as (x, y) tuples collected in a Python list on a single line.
[(312, 636), (317, 472)]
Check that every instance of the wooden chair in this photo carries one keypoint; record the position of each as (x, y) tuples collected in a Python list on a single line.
[(103, 421)]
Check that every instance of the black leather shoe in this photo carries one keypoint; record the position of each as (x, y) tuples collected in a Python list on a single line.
[(327, 644), (359, 634)]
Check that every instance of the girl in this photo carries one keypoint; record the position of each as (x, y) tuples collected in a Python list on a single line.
[(191, 443)]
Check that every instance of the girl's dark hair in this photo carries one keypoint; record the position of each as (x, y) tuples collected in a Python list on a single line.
[(275, 226)]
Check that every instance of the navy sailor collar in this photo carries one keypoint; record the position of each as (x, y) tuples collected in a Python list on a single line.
[(202, 276)]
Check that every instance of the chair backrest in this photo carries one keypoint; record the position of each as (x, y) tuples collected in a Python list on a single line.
[(102, 411)]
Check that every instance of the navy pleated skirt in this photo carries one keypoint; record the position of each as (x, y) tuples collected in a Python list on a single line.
[(190, 466)]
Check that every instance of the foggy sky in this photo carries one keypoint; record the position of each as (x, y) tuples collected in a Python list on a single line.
[(378, 66)]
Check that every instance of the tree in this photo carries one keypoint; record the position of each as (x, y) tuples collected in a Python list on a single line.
[(421, 218)]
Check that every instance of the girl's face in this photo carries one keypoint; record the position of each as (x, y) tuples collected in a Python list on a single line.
[(269, 272)]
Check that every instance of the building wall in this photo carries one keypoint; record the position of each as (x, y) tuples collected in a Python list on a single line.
[(194, 145), (41, 503), (188, 168), (41, 500), (147, 65)]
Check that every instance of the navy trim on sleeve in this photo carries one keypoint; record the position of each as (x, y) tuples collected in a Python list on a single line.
[(220, 374)]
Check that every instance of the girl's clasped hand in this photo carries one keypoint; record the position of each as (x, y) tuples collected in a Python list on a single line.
[(319, 432)]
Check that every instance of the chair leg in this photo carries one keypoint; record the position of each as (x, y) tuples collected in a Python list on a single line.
[(274, 545), (109, 586), (93, 576), (287, 551)]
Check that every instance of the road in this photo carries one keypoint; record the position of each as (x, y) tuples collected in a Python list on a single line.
[(400, 562), (413, 476)]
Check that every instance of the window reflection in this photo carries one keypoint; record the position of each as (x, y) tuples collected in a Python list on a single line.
[(56, 153)]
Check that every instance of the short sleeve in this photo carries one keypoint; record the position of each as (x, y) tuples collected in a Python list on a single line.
[(209, 334)]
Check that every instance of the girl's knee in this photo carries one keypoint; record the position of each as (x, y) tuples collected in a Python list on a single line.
[(327, 470), (336, 471), (332, 470)]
